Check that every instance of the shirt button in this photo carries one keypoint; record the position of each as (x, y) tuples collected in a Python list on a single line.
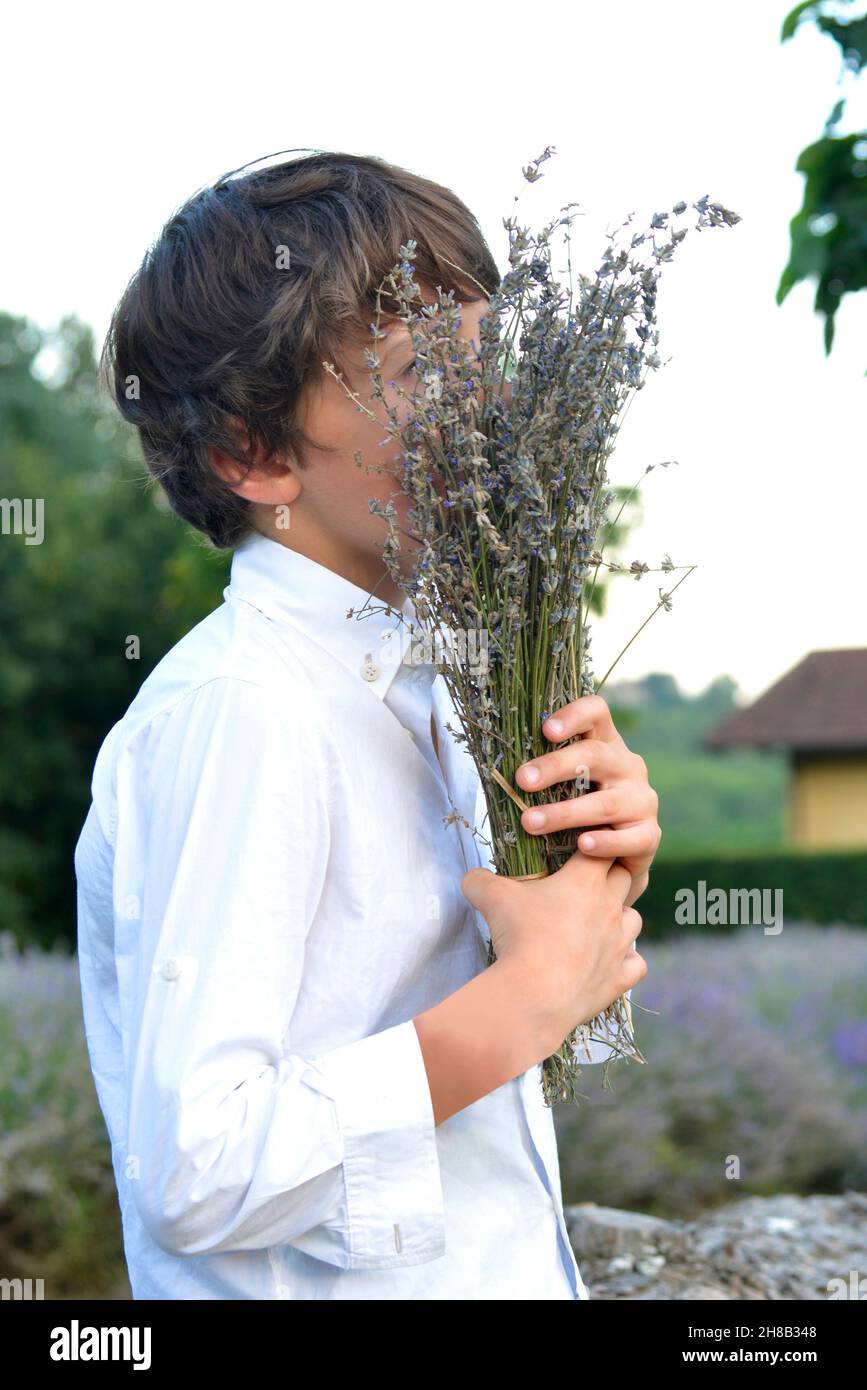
[(370, 670), (171, 969)]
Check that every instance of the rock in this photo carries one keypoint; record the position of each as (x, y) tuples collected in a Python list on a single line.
[(784, 1247), (606, 1232)]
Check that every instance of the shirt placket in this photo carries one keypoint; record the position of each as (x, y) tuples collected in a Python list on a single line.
[(466, 791)]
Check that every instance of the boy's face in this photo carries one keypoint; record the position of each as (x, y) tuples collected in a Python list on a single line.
[(328, 514)]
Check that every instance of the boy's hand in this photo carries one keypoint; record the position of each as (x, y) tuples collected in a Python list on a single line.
[(625, 800), (567, 941)]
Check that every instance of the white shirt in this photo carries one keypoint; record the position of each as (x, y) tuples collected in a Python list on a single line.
[(268, 893)]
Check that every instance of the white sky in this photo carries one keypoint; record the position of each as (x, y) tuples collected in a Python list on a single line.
[(114, 114)]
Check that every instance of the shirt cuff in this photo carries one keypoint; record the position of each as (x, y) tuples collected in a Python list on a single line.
[(394, 1199)]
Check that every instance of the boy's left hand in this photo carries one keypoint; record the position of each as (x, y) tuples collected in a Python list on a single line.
[(625, 800)]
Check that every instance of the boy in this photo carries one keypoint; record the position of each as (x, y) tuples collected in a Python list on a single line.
[(314, 1087)]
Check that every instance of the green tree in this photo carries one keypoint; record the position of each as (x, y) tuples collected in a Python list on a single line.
[(662, 689), (829, 234), (113, 565)]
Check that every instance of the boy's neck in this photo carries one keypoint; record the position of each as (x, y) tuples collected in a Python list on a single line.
[(366, 572)]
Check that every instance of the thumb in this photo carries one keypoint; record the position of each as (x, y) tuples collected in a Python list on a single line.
[(478, 887)]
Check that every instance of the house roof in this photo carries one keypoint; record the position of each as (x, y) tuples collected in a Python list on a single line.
[(820, 704)]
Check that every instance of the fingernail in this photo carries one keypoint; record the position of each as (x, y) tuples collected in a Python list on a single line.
[(587, 841), (536, 818), (530, 774), (555, 726)]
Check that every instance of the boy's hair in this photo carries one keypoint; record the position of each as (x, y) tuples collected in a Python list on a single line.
[(249, 287)]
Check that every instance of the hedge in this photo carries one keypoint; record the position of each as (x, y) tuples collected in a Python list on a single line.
[(816, 887)]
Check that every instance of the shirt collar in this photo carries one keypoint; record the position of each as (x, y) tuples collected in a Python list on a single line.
[(287, 586)]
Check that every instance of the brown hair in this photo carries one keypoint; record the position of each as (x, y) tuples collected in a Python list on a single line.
[(211, 330)]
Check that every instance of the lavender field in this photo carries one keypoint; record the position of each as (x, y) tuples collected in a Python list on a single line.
[(756, 1080)]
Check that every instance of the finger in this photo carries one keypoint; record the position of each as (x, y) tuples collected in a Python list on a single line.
[(610, 806), (579, 863), (639, 883), (480, 887), (590, 714), (634, 923), (639, 841), (620, 879), (588, 760)]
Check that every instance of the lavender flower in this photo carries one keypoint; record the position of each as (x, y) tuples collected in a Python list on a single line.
[(511, 542)]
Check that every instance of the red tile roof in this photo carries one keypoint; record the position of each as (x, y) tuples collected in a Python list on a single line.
[(820, 704)]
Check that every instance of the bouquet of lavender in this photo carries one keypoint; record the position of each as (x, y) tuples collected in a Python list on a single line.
[(507, 543)]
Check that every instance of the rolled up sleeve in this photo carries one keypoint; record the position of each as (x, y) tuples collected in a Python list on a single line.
[(236, 1141), (390, 1162)]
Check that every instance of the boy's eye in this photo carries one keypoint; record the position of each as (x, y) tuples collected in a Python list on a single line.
[(408, 371)]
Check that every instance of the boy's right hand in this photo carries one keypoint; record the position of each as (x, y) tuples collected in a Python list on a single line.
[(568, 939)]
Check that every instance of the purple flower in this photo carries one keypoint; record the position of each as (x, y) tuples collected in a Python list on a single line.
[(849, 1041)]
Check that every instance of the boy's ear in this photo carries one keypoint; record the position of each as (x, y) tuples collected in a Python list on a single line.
[(268, 469)]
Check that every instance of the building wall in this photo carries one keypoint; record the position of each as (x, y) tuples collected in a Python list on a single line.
[(828, 801)]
